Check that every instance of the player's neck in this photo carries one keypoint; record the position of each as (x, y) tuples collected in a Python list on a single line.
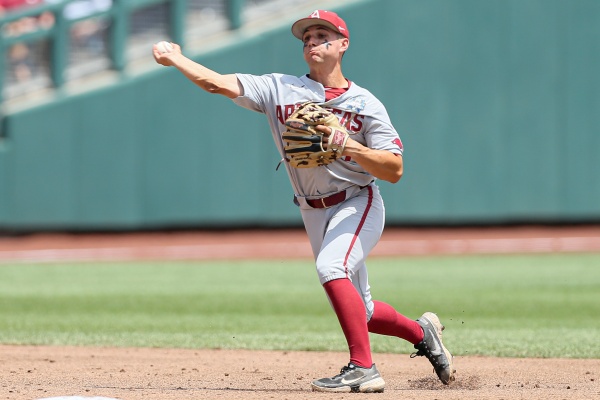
[(329, 78)]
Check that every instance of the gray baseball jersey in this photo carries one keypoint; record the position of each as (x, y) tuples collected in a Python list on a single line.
[(341, 236), (363, 115)]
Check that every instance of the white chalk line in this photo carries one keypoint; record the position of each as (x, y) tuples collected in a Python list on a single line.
[(302, 250)]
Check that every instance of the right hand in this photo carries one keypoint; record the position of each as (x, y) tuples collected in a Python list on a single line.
[(166, 59)]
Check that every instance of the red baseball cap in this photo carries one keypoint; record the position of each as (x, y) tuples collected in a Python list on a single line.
[(321, 17)]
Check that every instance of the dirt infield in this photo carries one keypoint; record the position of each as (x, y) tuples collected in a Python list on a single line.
[(168, 374), (35, 372)]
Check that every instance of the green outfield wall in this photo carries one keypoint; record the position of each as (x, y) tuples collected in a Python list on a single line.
[(497, 103)]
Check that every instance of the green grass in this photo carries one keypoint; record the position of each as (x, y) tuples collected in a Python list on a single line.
[(522, 306)]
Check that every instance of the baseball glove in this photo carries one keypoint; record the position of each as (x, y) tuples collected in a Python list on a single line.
[(306, 147)]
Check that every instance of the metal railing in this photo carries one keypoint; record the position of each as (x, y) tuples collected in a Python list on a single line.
[(54, 24)]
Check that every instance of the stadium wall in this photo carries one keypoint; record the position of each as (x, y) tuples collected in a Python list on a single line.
[(497, 104)]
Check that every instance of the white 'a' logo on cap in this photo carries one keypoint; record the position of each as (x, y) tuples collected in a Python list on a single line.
[(315, 14)]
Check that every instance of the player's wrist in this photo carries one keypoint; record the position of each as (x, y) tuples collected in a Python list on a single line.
[(353, 148)]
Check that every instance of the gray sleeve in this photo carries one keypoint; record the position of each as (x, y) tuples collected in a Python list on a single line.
[(257, 92), (381, 135)]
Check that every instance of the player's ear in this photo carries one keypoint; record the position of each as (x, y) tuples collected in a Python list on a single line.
[(345, 44)]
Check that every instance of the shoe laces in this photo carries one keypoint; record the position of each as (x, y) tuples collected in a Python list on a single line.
[(423, 350), (345, 369)]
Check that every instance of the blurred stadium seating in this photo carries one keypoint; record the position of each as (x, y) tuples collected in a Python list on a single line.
[(46, 43)]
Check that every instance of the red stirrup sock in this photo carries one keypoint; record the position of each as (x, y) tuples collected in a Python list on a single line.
[(387, 321), (351, 313)]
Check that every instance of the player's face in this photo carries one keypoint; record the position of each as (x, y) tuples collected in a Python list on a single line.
[(321, 44)]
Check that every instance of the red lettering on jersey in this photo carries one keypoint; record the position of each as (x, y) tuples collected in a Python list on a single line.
[(289, 110), (279, 114), (357, 123), (352, 122), (346, 119)]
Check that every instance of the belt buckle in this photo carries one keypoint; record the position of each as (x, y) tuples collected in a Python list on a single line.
[(323, 202)]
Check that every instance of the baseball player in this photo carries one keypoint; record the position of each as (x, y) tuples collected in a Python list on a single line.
[(340, 203)]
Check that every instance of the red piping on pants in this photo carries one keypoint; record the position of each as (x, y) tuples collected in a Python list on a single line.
[(360, 225)]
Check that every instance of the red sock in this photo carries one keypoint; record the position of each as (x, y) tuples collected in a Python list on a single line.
[(351, 313), (387, 321)]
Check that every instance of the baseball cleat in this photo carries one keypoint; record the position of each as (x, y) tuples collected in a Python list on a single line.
[(353, 379), (432, 347)]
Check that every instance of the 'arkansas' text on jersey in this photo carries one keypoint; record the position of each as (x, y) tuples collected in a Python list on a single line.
[(351, 121)]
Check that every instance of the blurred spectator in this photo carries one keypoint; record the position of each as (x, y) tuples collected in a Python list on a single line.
[(21, 62), (20, 59), (23, 25), (11, 5), (83, 8), (88, 34)]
